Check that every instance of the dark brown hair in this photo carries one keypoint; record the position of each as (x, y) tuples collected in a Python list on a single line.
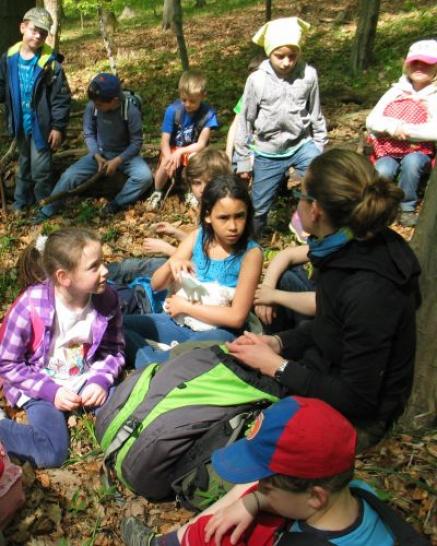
[(351, 192), (301, 485), (62, 250)]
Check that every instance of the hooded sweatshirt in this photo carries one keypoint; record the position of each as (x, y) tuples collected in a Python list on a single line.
[(358, 352), (279, 113), (414, 111)]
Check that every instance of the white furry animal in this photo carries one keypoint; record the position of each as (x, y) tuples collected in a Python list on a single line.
[(207, 293)]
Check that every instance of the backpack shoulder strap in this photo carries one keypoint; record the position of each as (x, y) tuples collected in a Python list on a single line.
[(203, 117), (404, 533), (179, 110)]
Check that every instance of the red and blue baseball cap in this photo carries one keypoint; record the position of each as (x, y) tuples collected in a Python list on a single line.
[(105, 86), (298, 437)]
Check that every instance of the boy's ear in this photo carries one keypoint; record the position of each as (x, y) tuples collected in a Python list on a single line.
[(319, 497), (62, 278), (23, 25), (208, 219)]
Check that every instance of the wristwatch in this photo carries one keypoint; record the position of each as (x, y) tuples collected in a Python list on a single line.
[(280, 370)]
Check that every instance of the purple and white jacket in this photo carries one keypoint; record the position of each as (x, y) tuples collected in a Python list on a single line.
[(26, 335)]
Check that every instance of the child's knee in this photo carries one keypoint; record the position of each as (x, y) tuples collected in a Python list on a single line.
[(52, 456)]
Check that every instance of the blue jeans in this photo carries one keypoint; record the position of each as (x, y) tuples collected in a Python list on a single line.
[(44, 441), (33, 181), (161, 327), (268, 174), (411, 168), (292, 280), (136, 169), (127, 270)]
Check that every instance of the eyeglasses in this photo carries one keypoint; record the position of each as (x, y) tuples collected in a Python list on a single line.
[(297, 194)]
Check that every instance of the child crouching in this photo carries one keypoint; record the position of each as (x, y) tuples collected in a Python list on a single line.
[(61, 344)]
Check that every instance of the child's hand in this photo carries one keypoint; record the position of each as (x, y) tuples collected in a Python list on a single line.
[(66, 400), (158, 245), (112, 165), (265, 313), (233, 516), (55, 139), (175, 305), (164, 228), (177, 265), (249, 338), (245, 176), (264, 295), (101, 162), (93, 396)]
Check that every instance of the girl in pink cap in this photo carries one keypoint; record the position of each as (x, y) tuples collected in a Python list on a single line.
[(403, 125)]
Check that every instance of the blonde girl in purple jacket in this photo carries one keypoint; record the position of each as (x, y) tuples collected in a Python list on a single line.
[(61, 343)]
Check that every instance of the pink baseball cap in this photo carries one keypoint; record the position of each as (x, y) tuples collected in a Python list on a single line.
[(425, 51)]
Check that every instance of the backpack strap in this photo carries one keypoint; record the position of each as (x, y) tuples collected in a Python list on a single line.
[(302, 539), (404, 533)]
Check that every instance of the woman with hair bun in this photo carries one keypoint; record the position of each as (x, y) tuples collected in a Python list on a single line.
[(358, 352)]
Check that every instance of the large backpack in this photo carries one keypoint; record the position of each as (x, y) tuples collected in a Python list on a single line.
[(404, 534), (157, 414)]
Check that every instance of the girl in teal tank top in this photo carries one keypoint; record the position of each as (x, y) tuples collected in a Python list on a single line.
[(220, 250)]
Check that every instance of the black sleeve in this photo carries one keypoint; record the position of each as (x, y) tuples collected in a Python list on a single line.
[(3, 78), (370, 313), (60, 100), (295, 341)]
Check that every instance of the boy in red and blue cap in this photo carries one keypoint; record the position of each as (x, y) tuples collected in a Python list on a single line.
[(114, 137), (302, 453)]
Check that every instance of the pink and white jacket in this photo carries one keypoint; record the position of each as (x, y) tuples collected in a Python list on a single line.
[(402, 107)]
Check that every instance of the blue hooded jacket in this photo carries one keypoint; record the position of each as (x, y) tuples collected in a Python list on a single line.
[(51, 96)]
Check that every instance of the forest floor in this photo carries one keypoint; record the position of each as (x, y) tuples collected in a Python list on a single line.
[(69, 506)]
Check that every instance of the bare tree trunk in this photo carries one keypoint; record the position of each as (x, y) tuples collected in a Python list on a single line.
[(268, 10), (368, 12), (172, 17), (54, 7), (421, 409), (107, 34), (11, 15)]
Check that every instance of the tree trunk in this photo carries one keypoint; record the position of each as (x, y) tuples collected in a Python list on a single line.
[(172, 17), (54, 7), (200, 3), (11, 15), (107, 30), (368, 11), (268, 10), (422, 406)]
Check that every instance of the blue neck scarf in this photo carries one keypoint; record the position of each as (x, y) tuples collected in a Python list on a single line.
[(329, 244)]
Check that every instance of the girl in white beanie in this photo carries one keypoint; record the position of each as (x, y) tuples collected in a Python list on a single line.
[(281, 121)]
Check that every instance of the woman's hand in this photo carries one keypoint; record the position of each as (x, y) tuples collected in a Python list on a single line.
[(233, 516), (258, 352), (179, 264), (93, 396), (265, 295), (66, 400), (175, 305)]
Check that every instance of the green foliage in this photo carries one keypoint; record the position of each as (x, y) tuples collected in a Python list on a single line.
[(79, 502), (112, 234), (87, 212)]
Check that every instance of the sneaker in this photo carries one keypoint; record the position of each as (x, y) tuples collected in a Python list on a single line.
[(191, 201), (40, 218), (154, 200), (295, 226), (408, 219), (110, 209), (134, 533)]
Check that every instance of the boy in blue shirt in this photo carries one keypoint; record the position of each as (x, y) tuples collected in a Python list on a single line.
[(302, 452), (186, 129), (113, 142), (37, 98)]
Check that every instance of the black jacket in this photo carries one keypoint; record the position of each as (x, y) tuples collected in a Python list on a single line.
[(358, 352)]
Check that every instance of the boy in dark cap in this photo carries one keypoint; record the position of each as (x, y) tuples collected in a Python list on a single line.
[(113, 134), (302, 452), (37, 97)]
